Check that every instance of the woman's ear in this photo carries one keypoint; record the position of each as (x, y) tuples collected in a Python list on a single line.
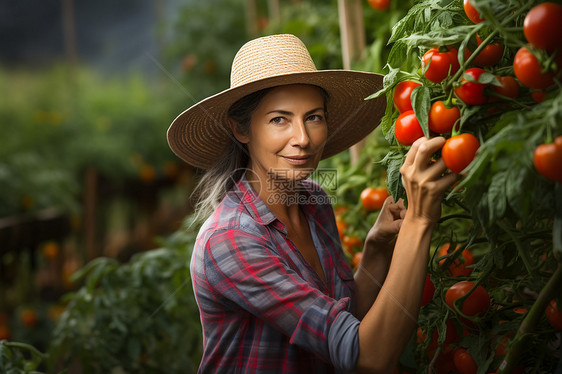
[(235, 127)]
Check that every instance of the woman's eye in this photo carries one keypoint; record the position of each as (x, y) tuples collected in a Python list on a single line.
[(315, 118), (277, 120)]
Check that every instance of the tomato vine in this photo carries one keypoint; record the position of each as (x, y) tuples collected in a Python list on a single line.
[(515, 213)]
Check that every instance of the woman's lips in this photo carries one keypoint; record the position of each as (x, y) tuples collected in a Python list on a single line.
[(297, 160)]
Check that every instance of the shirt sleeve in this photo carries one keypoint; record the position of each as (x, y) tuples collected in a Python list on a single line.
[(247, 270)]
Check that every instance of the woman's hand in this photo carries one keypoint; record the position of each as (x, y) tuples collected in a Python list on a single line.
[(382, 235), (425, 181)]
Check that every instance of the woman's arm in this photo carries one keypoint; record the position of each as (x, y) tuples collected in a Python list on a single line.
[(377, 254), (388, 324)]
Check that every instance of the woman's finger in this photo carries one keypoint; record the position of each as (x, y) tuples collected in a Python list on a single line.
[(425, 150), (436, 169), (411, 155)]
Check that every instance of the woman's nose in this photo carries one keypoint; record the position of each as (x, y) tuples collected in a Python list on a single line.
[(300, 134)]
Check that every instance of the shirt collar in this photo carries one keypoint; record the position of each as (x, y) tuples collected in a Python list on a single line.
[(258, 209)]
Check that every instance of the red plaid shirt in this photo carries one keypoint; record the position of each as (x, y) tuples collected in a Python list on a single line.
[(263, 308)]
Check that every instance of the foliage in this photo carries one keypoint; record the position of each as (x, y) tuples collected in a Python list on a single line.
[(20, 358), (136, 317), (56, 125), (502, 210), (201, 55)]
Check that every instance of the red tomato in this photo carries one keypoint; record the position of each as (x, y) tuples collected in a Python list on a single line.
[(459, 267), (401, 96), (542, 26), (509, 88), (554, 315), (356, 259), (352, 244), (342, 226), (441, 64), (471, 12), (373, 198), (428, 291), (464, 362), (472, 93), (476, 304), (548, 160), (459, 151), (407, 128), (379, 4), (442, 119), (489, 56), (538, 96), (501, 348), (528, 69)]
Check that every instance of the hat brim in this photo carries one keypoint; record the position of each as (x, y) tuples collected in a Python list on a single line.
[(200, 134)]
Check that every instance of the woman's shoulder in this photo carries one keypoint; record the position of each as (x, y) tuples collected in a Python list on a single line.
[(229, 216)]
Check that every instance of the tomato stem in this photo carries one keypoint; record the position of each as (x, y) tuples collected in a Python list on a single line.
[(486, 41), (522, 252), (530, 322)]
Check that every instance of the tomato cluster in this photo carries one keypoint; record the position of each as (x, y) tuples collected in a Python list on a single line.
[(476, 81), (542, 30)]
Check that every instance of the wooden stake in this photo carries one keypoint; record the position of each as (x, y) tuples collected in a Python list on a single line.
[(252, 18), (352, 33)]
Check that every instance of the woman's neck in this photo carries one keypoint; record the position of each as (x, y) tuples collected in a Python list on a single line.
[(280, 195)]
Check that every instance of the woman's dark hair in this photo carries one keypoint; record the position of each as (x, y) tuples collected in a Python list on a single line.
[(230, 167)]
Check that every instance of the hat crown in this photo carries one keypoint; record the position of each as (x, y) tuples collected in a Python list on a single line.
[(270, 56)]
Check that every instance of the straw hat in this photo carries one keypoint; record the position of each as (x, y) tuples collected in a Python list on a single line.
[(200, 134)]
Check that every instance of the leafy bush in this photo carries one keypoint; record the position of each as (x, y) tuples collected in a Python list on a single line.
[(136, 317)]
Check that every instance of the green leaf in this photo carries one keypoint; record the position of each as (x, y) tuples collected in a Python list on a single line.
[(387, 122), (393, 162), (421, 102), (496, 196), (515, 188)]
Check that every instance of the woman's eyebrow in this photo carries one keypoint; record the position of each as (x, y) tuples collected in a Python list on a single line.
[(285, 112)]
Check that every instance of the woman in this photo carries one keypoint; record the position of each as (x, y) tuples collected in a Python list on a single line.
[(271, 281)]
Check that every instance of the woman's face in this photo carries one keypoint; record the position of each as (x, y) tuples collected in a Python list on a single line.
[(287, 133)]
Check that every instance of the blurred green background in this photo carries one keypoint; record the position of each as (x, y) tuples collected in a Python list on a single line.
[(95, 230)]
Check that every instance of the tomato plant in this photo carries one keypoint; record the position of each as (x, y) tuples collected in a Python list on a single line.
[(477, 303), (352, 244), (554, 315), (548, 160), (357, 256), (342, 226), (471, 12), (373, 198), (538, 96), (29, 317), (502, 208), (379, 4), (542, 26), (459, 151), (439, 62), (489, 56), (470, 90), (407, 128), (464, 362), (529, 70), (401, 96), (428, 291), (461, 263), (441, 118), (509, 88)]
